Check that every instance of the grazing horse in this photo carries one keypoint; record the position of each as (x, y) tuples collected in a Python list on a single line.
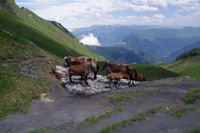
[(139, 77), (80, 69), (113, 67), (131, 71), (69, 60), (117, 76)]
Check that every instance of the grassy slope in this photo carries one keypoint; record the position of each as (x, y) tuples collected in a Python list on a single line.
[(24, 72), (152, 72), (187, 63), (42, 32), (24, 68)]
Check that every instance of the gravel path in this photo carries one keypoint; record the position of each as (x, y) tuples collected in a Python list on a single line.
[(54, 108)]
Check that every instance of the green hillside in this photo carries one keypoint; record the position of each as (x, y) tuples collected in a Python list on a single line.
[(43, 33), (29, 48), (152, 72), (187, 63)]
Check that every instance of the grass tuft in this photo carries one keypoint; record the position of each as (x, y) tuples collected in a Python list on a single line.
[(190, 96), (92, 119), (40, 130), (119, 97)]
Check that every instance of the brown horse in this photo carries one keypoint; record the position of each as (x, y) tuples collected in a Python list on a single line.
[(69, 60), (95, 65), (139, 77), (113, 67), (80, 69), (116, 67), (117, 76)]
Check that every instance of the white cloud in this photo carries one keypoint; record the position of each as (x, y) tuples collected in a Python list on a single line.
[(159, 16), (90, 40), (82, 13)]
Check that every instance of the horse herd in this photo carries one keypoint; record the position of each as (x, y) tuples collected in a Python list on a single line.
[(82, 65)]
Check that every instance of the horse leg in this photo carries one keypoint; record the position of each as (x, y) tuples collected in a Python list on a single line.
[(96, 71), (133, 83), (85, 80), (95, 75), (81, 78), (116, 84), (110, 83), (70, 79), (129, 82)]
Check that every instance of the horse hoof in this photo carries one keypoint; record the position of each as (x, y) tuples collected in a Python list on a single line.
[(71, 84)]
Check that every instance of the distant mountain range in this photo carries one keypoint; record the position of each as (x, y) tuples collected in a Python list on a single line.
[(109, 35), (173, 55), (162, 42), (122, 55), (157, 41)]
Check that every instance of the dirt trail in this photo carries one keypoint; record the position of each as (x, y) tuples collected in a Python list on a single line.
[(67, 107)]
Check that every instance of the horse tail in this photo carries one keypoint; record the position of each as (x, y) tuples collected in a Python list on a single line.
[(96, 70)]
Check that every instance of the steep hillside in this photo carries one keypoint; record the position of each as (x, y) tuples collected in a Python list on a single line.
[(188, 63), (29, 48), (49, 37), (173, 55), (123, 55), (162, 42)]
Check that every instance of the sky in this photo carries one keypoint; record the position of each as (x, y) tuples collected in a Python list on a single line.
[(84, 13)]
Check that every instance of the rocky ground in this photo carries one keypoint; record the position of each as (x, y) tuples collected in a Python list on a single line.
[(70, 108)]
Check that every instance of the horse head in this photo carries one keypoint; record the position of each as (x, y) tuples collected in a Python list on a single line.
[(65, 64), (104, 65)]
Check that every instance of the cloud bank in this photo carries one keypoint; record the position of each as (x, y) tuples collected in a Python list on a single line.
[(83, 13), (90, 40)]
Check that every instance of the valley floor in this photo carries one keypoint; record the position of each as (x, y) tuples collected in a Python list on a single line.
[(67, 113)]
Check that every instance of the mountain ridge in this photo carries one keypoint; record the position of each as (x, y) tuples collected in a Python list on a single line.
[(123, 55), (173, 55)]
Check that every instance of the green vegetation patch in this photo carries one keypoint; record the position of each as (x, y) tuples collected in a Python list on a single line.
[(40, 130), (152, 72), (190, 96), (192, 131), (17, 91), (190, 53), (119, 97), (92, 119), (187, 63), (180, 112), (141, 93)]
